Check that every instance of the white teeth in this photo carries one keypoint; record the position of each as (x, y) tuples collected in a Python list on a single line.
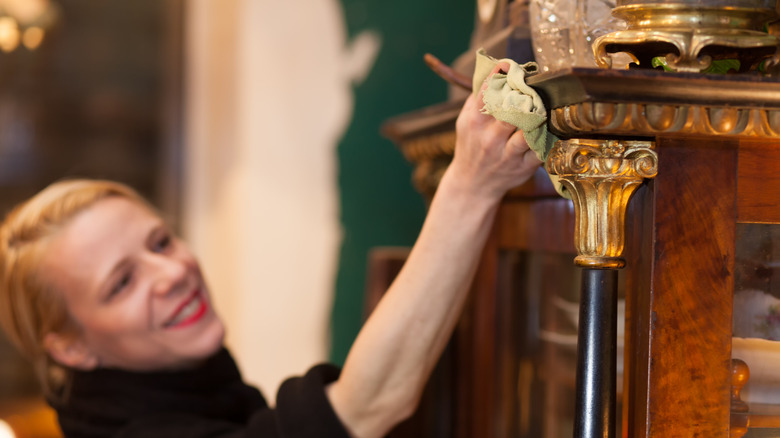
[(185, 312)]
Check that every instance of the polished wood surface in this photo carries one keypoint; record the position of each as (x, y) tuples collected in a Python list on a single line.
[(543, 225), (758, 190), (680, 297), (477, 351), (765, 416)]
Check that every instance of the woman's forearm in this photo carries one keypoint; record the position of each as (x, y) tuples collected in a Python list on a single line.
[(403, 338), (399, 345)]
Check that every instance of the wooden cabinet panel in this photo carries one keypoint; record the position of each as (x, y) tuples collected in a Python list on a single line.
[(758, 189), (680, 302)]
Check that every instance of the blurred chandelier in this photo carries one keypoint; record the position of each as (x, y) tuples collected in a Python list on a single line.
[(25, 22)]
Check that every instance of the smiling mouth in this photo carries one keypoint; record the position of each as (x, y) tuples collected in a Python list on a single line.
[(189, 313)]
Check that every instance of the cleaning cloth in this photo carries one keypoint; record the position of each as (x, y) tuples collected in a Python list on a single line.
[(509, 99)]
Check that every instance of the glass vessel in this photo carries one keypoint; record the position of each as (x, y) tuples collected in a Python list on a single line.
[(563, 31)]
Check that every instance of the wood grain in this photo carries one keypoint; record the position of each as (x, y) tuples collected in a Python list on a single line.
[(681, 325), (758, 188), (477, 351), (639, 228), (543, 225)]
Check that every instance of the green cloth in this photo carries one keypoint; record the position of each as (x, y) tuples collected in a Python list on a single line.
[(509, 99)]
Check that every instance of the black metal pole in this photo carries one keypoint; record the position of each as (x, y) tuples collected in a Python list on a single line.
[(596, 355)]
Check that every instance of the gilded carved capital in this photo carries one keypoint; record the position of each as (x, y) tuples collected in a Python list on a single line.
[(601, 176)]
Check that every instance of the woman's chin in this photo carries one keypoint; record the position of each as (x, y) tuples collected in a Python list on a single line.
[(213, 339), (207, 342)]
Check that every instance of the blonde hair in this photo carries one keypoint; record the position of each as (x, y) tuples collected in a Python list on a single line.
[(30, 307)]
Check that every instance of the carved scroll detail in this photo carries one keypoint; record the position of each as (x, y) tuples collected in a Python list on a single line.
[(601, 176)]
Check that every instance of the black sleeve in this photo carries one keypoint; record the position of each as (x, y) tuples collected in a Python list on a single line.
[(302, 408), (302, 411)]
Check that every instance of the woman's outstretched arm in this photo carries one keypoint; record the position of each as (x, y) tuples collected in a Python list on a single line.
[(399, 345)]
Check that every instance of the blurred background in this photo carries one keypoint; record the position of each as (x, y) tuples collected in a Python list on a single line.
[(253, 125)]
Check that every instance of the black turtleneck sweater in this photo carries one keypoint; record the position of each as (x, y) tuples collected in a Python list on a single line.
[(208, 401)]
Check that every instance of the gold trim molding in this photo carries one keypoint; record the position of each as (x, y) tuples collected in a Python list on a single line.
[(601, 176), (430, 154), (647, 120), (429, 146)]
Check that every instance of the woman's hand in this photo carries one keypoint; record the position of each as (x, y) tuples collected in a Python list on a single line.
[(491, 156)]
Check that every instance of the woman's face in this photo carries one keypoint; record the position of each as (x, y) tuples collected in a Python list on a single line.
[(133, 289)]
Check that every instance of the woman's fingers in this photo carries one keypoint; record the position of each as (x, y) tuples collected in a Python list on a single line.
[(518, 145), (502, 67), (506, 127), (501, 130), (498, 136), (517, 142), (503, 127)]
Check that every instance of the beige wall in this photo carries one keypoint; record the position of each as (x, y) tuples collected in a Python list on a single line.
[(268, 95)]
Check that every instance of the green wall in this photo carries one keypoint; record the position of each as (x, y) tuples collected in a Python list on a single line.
[(379, 207)]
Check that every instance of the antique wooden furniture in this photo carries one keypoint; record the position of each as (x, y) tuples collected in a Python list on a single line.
[(709, 133), (718, 145), (714, 141)]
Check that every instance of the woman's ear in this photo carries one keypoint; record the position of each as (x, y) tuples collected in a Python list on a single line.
[(70, 351)]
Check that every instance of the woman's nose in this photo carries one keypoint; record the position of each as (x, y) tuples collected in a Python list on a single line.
[(169, 274)]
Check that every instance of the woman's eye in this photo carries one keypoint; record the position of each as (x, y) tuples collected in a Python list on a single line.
[(162, 243), (121, 284)]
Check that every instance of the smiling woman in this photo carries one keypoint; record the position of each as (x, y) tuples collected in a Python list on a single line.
[(112, 309), (114, 312), (30, 307), (145, 305)]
